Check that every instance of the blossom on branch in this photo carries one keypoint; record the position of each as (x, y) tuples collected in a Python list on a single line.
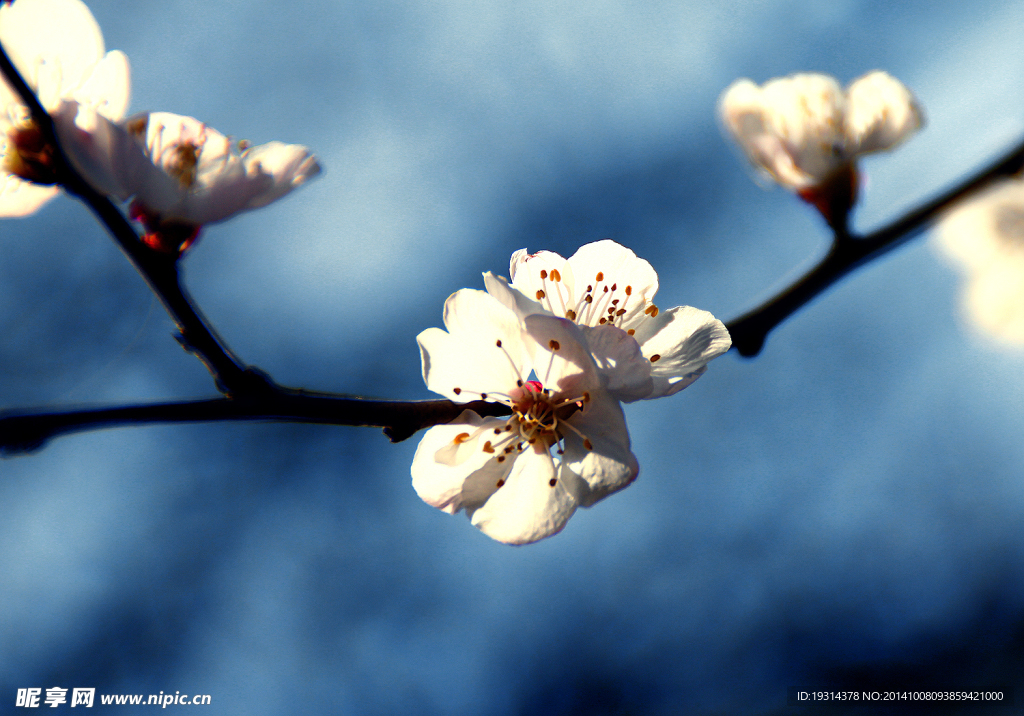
[(58, 49), (608, 290), (805, 133), (986, 237), (502, 471), (560, 347), (191, 175)]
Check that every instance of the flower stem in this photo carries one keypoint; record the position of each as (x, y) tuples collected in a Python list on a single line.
[(849, 252)]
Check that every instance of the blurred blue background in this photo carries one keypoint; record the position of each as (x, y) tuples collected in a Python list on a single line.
[(844, 511)]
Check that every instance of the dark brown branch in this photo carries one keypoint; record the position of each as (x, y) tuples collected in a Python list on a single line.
[(26, 431), (849, 252), (160, 270)]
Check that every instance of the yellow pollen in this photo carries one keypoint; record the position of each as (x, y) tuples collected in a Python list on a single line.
[(554, 345), (629, 290), (461, 438), (488, 447), (555, 276), (651, 311), (631, 331), (655, 358), (600, 275)]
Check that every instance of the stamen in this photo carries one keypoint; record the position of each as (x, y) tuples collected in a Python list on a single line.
[(655, 358), (555, 276), (461, 438), (631, 331), (629, 290), (553, 481), (543, 274), (554, 345), (600, 275), (540, 295), (651, 311), (570, 314), (457, 391), (488, 447), (500, 482)]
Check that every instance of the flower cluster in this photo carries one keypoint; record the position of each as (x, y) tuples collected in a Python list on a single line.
[(561, 347), (986, 237), (805, 132), (180, 173)]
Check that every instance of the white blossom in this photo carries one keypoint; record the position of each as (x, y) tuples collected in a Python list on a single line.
[(194, 175), (501, 471), (608, 291), (986, 238), (58, 49), (801, 130)]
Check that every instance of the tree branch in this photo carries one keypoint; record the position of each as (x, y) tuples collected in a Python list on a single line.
[(849, 252), (22, 432)]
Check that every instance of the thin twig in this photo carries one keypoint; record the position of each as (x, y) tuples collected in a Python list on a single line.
[(750, 330)]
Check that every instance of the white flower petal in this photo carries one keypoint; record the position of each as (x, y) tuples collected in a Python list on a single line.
[(618, 267), (107, 90), (987, 229), (58, 38), (289, 166), (527, 507), (533, 275), (563, 357), (607, 465), (882, 113), (680, 341), (513, 299), (21, 198), (625, 370), (994, 301), (467, 361), (443, 467)]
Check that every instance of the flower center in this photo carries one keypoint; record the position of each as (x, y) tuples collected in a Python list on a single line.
[(28, 155)]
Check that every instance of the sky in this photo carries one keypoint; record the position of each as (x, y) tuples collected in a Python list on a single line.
[(841, 512)]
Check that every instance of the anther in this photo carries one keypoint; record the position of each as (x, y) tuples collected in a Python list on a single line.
[(651, 311), (519, 384), (483, 396), (621, 312), (588, 298), (456, 390), (500, 483), (498, 343), (461, 438), (553, 481), (501, 458), (614, 285), (606, 289), (614, 300), (543, 273), (655, 358), (553, 345), (602, 321), (600, 275), (570, 314), (629, 290), (497, 431), (488, 447), (540, 295), (587, 444), (631, 331), (555, 276)]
